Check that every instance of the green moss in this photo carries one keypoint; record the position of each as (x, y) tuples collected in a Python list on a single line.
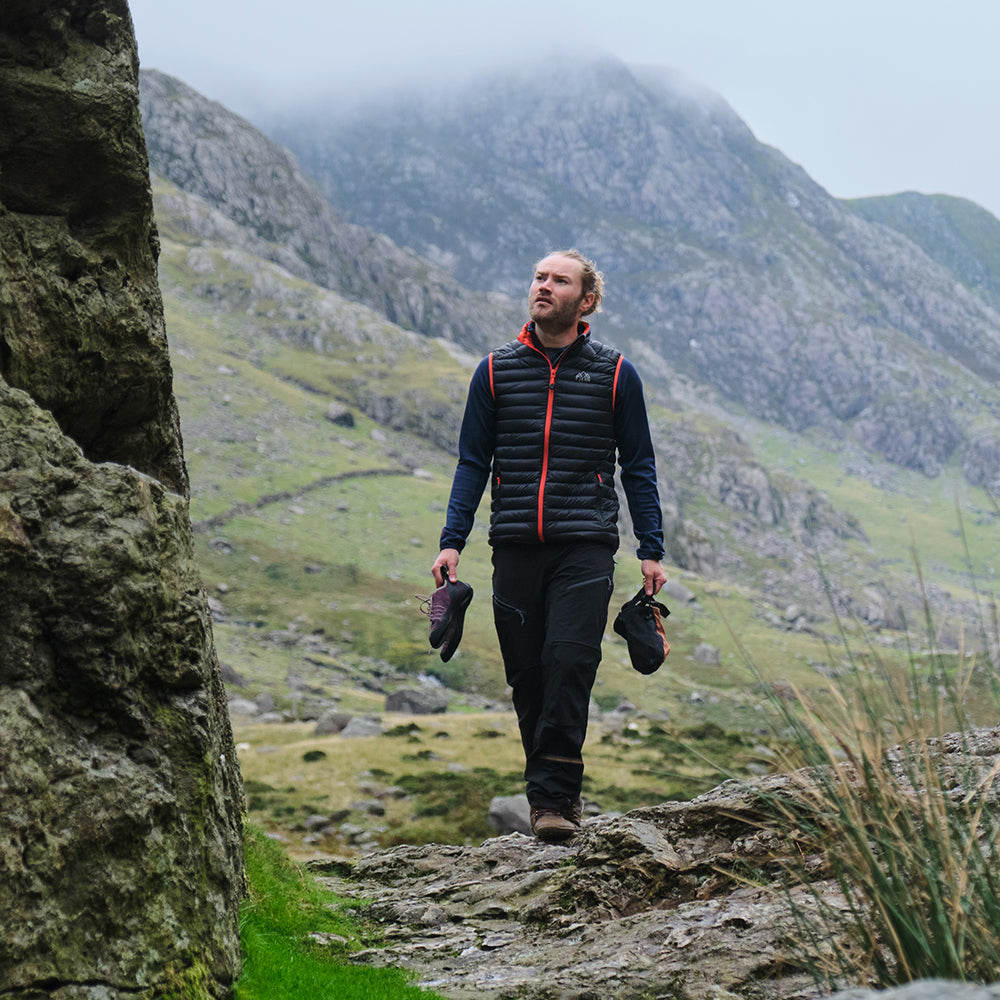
[(192, 983)]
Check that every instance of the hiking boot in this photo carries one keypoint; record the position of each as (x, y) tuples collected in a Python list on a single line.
[(446, 610), (553, 825)]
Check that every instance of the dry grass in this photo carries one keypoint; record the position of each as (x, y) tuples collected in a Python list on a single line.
[(456, 759), (901, 805)]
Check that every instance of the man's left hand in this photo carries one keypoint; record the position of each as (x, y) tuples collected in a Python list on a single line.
[(653, 576)]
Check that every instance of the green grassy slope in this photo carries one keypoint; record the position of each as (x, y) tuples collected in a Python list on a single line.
[(953, 231)]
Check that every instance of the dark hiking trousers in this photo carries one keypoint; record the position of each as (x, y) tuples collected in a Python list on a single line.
[(550, 606)]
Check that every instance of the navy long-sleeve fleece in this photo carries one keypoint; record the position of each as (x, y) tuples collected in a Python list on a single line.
[(635, 457)]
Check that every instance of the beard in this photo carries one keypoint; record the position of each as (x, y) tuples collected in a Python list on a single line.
[(555, 315)]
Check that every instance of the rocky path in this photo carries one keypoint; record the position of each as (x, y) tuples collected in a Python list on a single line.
[(638, 905), (680, 901)]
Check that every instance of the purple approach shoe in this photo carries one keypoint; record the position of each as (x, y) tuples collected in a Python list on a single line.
[(446, 610)]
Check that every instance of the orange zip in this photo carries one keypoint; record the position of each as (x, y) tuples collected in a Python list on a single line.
[(524, 339), (545, 447)]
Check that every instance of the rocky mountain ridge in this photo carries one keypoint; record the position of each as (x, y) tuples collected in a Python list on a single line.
[(710, 479), (955, 232), (726, 259), (206, 150), (726, 513)]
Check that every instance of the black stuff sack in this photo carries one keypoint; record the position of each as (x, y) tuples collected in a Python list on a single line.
[(640, 624)]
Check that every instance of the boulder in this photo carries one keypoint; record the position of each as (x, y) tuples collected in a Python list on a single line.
[(330, 723), (510, 814), (81, 319), (358, 727), (417, 701), (339, 414), (243, 706), (706, 653), (925, 989), (120, 836), (120, 832), (677, 591), (264, 702), (633, 906)]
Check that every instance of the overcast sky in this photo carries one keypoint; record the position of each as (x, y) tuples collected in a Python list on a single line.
[(869, 96)]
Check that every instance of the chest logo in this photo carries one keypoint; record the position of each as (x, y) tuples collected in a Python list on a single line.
[(582, 377)]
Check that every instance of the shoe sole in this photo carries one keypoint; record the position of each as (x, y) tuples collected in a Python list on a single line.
[(453, 622), (456, 604), (451, 642)]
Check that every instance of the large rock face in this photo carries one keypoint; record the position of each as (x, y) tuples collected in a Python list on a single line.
[(637, 906), (957, 233), (81, 322), (120, 848)]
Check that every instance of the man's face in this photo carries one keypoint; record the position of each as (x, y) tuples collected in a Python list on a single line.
[(556, 297)]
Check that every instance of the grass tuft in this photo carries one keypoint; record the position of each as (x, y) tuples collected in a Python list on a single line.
[(898, 808)]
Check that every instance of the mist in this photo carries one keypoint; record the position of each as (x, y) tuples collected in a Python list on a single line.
[(868, 98)]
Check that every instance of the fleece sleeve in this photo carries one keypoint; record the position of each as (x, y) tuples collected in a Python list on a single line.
[(638, 464), (476, 441)]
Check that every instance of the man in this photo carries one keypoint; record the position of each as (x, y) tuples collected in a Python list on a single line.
[(544, 419)]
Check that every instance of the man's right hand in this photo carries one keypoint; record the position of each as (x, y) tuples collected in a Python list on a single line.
[(446, 564)]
